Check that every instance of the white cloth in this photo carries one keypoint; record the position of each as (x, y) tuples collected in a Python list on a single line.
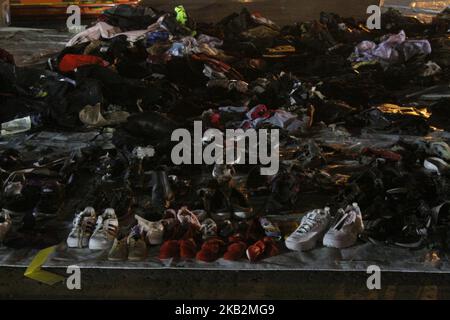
[(100, 30), (106, 31)]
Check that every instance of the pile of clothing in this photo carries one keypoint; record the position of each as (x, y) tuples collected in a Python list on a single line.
[(346, 100)]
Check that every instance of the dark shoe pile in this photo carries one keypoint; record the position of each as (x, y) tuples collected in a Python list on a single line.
[(361, 116)]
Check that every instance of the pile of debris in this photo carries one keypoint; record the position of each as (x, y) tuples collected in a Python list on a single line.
[(362, 116)]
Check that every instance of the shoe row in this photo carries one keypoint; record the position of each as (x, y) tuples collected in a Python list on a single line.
[(236, 248), (134, 246), (43, 200), (316, 226), (193, 235), (92, 231), (182, 235)]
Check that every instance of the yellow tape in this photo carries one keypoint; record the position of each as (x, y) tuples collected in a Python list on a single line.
[(35, 272)]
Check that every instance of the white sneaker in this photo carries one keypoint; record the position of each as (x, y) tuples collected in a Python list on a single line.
[(154, 231), (83, 227), (312, 228), (5, 224), (345, 232), (105, 231)]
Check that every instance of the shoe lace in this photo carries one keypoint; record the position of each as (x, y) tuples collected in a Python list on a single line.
[(100, 224), (308, 223), (87, 224)]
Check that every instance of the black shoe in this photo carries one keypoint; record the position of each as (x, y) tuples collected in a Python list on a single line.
[(18, 199), (223, 173), (226, 229), (413, 235), (162, 194), (285, 189), (135, 175), (114, 195), (51, 200), (110, 169), (380, 231), (219, 206)]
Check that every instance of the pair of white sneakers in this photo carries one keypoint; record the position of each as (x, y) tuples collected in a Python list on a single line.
[(315, 226), (97, 233)]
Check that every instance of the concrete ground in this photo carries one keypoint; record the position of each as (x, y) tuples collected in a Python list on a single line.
[(186, 284)]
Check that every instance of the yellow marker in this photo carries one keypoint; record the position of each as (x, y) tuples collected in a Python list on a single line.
[(35, 272)]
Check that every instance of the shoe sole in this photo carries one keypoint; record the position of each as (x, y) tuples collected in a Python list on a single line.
[(98, 247), (155, 242), (117, 259), (247, 254), (413, 245), (298, 246), (332, 243), (73, 244), (304, 246), (136, 258), (76, 244)]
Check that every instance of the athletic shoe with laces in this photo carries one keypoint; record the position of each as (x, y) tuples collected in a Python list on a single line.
[(19, 198), (345, 232), (312, 228), (105, 231), (83, 227), (49, 203), (162, 194)]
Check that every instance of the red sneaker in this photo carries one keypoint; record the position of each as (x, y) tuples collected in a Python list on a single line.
[(265, 248), (169, 249), (235, 251), (271, 247), (256, 251), (211, 250), (188, 249)]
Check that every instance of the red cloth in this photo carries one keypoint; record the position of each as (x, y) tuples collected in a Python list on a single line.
[(215, 120), (72, 61), (260, 111)]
